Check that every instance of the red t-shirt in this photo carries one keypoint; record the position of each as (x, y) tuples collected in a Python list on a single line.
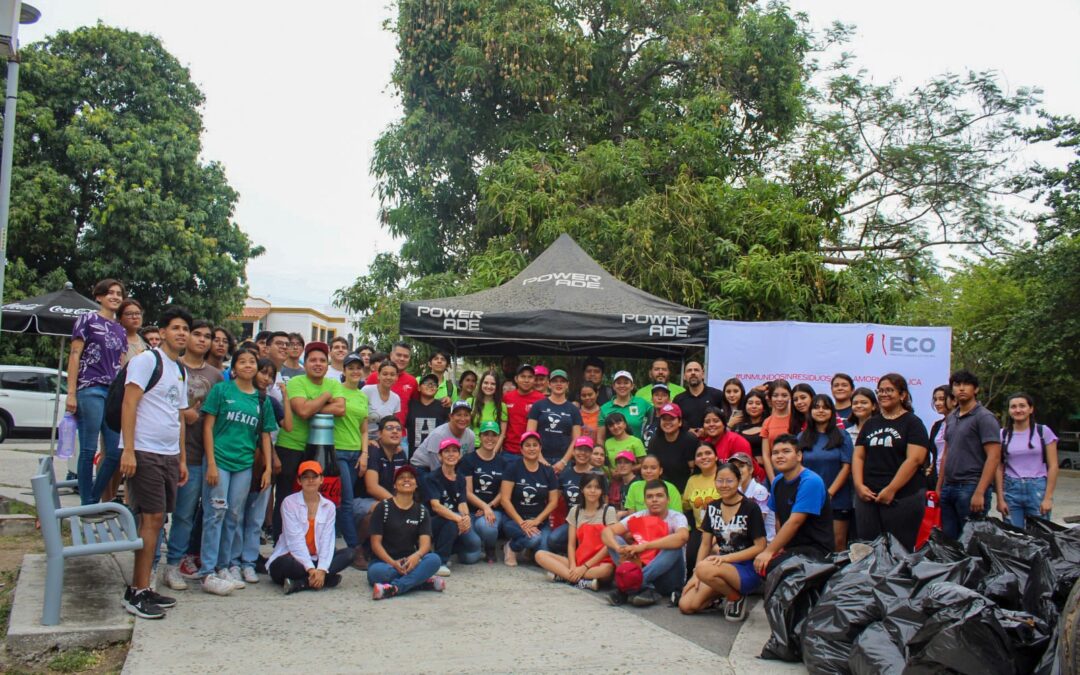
[(731, 443), (517, 417), (405, 388)]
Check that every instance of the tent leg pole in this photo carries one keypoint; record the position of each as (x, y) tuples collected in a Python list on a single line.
[(56, 403)]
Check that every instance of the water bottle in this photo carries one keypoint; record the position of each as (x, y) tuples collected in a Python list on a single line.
[(66, 434)]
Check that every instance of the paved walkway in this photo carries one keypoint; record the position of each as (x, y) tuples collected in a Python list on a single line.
[(490, 619)]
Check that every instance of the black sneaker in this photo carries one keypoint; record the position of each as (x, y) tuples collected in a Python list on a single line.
[(616, 598), (675, 597), (332, 580), (260, 565), (645, 598), (294, 585), (162, 601), (736, 610), (139, 604), (489, 554)]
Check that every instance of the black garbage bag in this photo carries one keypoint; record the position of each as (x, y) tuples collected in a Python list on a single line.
[(940, 548), (1019, 571), (968, 633), (845, 608), (1065, 553), (792, 589)]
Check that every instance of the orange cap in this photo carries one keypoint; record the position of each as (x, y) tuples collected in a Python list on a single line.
[(310, 465)]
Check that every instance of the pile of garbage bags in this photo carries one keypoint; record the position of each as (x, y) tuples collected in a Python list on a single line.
[(987, 604)]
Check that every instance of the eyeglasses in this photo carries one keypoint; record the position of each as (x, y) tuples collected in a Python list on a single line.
[(132, 315), (392, 429), (278, 343), (727, 481), (886, 391)]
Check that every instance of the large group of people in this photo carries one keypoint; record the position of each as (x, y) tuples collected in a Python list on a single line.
[(649, 490)]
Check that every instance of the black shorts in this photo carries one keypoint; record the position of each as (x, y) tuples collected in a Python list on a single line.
[(153, 487), (843, 514)]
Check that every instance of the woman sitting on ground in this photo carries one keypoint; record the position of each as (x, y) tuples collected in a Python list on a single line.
[(530, 492), (734, 523), (304, 557), (401, 542), (592, 565)]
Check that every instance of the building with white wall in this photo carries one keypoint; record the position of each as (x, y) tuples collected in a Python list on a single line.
[(322, 324)]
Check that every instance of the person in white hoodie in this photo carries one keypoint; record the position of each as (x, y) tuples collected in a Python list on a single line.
[(304, 557)]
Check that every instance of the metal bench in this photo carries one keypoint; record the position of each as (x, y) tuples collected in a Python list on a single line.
[(116, 533)]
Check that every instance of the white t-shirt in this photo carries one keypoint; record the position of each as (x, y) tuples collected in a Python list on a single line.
[(333, 373), (157, 418), (378, 408), (759, 494)]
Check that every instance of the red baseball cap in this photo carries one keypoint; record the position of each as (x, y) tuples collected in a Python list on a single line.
[(628, 577), (671, 409), (316, 347)]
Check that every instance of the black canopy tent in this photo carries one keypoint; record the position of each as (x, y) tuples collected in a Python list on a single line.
[(50, 314), (562, 303)]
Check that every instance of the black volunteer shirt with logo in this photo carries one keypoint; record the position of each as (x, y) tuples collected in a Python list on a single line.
[(400, 528), (531, 488), (555, 423), (487, 474)]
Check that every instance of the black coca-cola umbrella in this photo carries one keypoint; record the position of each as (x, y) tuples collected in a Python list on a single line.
[(50, 314)]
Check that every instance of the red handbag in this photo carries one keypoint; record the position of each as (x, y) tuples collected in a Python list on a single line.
[(931, 519)]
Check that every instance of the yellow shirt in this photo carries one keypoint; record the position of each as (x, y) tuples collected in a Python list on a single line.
[(700, 491)]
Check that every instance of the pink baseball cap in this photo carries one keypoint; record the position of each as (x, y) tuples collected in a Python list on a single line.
[(584, 442), (541, 371), (671, 409), (449, 443), (627, 455), (530, 434)]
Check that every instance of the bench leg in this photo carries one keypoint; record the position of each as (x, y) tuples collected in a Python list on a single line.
[(54, 585)]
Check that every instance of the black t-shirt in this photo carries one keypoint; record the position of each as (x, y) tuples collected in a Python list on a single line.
[(555, 423), (886, 442), (675, 457), (486, 474), (384, 468), (807, 492), (422, 420), (693, 407), (400, 528), (753, 439), (570, 484), (740, 532), (531, 488), (450, 493)]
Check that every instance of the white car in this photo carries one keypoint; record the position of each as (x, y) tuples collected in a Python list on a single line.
[(28, 398)]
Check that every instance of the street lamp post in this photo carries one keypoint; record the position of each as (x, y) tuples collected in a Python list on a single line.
[(12, 13)]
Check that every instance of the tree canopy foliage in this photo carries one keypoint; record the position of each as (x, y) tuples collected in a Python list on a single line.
[(696, 149), (108, 179)]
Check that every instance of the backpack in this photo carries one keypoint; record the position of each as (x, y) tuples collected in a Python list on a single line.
[(1008, 436), (114, 398)]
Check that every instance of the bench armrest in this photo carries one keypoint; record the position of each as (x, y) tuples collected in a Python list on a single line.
[(74, 482), (127, 520)]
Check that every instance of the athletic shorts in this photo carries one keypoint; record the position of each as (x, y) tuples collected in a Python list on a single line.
[(153, 487), (749, 579), (844, 515)]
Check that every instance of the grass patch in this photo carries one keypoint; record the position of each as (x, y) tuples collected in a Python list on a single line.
[(14, 506), (7, 594), (74, 661)]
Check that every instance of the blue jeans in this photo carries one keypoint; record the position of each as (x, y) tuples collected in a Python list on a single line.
[(955, 501), (90, 415), (446, 541), (559, 538), (519, 542), (666, 573), (347, 460), (379, 572), (249, 536), (489, 534), (1024, 496), (223, 511), (183, 515)]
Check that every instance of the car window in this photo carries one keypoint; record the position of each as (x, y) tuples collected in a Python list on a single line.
[(21, 380), (50, 384)]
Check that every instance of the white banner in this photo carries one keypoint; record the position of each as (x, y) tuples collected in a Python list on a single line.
[(757, 352)]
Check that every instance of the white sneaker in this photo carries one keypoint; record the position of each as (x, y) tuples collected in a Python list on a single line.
[(154, 578), (249, 575), (173, 578), (589, 585), (224, 575), (215, 585), (237, 576), (509, 557), (444, 571)]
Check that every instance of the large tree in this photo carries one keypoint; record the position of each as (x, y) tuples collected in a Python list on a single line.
[(108, 179), (695, 148)]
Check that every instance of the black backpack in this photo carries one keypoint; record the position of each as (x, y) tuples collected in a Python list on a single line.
[(114, 399)]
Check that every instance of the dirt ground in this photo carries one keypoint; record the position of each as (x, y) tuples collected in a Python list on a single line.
[(95, 661)]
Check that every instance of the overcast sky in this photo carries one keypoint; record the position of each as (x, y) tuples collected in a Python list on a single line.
[(295, 100)]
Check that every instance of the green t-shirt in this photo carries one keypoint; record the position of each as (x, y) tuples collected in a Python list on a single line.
[(347, 428), (488, 415), (446, 388), (613, 446), (635, 412), (236, 424), (635, 497), (302, 387), (645, 393)]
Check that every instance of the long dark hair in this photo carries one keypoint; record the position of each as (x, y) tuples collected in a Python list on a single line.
[(766, 410), (1032, 426), (480, 399), (900, 382), (727, 407), (799, 421), (809, 437), (593, 477), (852, 421)]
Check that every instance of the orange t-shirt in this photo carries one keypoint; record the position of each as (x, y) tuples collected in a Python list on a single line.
[(310, 536), (774, 426), (590, 422)]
